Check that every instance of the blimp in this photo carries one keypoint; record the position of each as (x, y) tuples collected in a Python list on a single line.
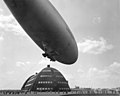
[(46, 27)]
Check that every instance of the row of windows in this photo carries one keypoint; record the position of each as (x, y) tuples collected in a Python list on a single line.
[(52, 89), (59, 82), (28, 85), (44, 88), (64, 89), (50, 82), (59, 76), (45, 82), (45, 75), (46, 70), (56, 71), (31, 79)]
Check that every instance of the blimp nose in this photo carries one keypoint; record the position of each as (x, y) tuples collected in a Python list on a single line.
[(69, 55)]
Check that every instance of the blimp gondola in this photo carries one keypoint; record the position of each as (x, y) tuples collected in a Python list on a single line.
[(46, 27)]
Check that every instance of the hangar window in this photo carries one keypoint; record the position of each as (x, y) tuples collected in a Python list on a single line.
[(49, 82), (38, 88), (31, 79), (28, 85), (46, 71), (46, 82), (45, 76)]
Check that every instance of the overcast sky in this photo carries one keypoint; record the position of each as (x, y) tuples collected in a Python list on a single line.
[(95, 25)]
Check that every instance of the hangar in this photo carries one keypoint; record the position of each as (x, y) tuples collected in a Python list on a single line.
[(49, 79)]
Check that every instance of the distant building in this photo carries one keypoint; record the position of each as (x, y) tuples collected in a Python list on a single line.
[(49, 79)]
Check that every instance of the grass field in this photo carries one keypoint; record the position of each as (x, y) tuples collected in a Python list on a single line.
[(57, 94)]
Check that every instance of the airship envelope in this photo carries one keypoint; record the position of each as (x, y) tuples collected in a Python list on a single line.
[(42, 22)]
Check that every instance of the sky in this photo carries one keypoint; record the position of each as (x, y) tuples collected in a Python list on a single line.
[(95, 25)]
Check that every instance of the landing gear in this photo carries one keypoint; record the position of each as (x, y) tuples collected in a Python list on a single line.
[(48, 51), (50, 57), (45, 55)]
